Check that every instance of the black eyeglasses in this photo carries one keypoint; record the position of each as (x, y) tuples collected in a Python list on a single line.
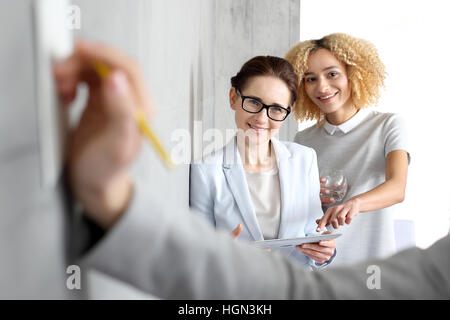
[(253, 105)]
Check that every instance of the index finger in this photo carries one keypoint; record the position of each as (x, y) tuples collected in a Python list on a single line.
[(113, 58), (322, 223)]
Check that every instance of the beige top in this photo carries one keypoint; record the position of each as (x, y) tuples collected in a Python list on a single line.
[(264, 188)]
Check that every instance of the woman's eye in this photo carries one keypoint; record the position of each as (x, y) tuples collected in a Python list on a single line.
[(276, 109), (333, 74), (310, 79)]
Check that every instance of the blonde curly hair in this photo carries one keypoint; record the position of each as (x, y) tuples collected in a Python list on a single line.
[(365, 71)]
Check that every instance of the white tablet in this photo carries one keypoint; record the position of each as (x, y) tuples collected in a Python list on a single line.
[(284, 243)]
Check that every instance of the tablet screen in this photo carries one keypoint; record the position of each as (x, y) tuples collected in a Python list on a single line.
[(284, 243)]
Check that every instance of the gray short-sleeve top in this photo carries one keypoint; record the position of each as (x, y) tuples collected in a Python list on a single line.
[(359, 147)]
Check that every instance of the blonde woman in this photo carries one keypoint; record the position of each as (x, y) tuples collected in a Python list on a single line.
[(340, 76)]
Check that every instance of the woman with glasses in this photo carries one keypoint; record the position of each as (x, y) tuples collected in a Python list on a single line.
[(340, 76), (257, 187)]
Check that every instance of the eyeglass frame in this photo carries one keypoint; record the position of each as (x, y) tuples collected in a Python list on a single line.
[(264, 106)]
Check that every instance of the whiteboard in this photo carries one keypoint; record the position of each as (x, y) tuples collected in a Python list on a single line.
[(53, 41)]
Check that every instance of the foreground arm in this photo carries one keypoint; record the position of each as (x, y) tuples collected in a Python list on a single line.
[(179, 256)]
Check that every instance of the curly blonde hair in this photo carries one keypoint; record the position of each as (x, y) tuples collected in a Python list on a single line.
[(365, 71)]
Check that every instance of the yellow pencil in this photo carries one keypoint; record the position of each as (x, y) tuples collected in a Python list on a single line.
[(141, 120)]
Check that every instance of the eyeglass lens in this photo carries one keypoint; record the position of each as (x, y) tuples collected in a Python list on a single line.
[(255, 106)]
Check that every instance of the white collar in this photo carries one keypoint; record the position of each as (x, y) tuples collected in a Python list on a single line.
[(348, 125)]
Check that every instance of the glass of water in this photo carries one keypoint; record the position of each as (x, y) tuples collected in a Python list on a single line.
[(335, 182)]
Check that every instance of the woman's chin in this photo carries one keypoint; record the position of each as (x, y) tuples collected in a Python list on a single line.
[(255, 137)]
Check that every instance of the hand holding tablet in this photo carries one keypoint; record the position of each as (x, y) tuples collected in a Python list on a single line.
[(284, 243)]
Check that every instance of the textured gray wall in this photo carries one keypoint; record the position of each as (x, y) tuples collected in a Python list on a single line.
[(244, 29), (188, 51), (163, 36)]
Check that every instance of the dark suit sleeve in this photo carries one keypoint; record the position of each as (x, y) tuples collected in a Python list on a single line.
[(81, 232)]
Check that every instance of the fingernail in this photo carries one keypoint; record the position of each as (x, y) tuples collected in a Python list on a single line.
[(119, 82)]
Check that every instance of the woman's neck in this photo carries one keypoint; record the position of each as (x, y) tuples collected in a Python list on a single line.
[(256, 156), (341, 115)]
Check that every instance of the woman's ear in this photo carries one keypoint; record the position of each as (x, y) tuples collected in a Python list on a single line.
[(233, 98)]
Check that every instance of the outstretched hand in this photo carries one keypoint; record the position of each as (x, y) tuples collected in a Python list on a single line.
[(340, 215)]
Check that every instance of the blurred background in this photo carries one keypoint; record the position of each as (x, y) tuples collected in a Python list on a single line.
[(189, 50)]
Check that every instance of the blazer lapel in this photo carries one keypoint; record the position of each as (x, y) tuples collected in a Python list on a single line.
[(286, 192), (235, 175)]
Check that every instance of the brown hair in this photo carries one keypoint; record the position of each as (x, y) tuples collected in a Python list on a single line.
[(267, 66), (365, 71)]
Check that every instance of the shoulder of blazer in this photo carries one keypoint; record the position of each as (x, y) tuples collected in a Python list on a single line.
[(211, 159), (298, 150)]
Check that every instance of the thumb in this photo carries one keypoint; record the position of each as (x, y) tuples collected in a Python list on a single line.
[(119, 102), (236, 232)]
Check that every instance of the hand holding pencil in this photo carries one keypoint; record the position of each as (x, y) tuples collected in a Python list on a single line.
[(109, 135), (140, 116)]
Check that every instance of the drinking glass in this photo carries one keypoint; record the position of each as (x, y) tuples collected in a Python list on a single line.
[(335, 182)]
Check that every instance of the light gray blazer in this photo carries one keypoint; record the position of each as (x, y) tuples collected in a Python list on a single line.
[(219, 192), (174, 255)]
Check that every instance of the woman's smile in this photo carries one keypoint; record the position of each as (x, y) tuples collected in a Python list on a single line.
[(257, 129), (328, 97)]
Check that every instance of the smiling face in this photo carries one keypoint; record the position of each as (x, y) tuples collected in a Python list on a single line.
[(327, 84), (268, 90)]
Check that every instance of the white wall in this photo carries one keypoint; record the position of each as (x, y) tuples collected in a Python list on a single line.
[(411, 36)]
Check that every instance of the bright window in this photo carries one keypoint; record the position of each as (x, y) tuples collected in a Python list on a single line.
[(412, 40)]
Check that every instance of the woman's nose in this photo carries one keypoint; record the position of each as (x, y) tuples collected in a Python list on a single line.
[(262, 115), (323, 86)]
